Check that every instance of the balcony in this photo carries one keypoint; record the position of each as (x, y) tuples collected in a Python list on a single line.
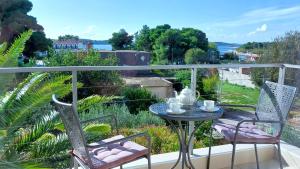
[(221, 153)]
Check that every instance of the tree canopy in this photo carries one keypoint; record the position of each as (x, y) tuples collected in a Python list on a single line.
[(168, 45), (14, 19), (121, 40), (37, 42), (68, 37), (194, 56)]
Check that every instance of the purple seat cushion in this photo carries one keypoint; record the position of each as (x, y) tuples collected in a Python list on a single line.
[(115, 154), (248, 133)]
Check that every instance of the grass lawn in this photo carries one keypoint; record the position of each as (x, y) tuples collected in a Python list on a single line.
[(235, 94)]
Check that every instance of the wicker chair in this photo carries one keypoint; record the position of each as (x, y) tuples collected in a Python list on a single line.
[(108, 153), (264, 126)]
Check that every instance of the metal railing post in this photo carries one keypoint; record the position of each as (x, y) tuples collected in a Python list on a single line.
[(281, 75), (193, 88), (74, 90)]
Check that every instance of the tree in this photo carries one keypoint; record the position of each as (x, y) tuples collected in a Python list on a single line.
[(142, 40), (194, 56), (37, 42), (230, 56), (121, 40), (285, 49), (14, 19), (194, 38), (68, 37), (156, 32), (169, 47)]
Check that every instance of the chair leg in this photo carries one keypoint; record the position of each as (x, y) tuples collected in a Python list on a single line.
[(121, 166), (71, 162), (209, 149), (256, 156), (233, 155), (279, 156), (149, 161), (75, 163)]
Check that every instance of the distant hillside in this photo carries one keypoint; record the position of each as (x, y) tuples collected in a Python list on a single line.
[(227, 44)]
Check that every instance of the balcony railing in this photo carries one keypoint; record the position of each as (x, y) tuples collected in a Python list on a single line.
[(283, 68)]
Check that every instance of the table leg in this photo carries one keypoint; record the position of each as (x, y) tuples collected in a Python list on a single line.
[(180, 142), (185, 142), (189, 143)]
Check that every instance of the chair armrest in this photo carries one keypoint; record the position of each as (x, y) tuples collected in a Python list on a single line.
[(236, 105), (254, 121), (112, 117), (144, 134)]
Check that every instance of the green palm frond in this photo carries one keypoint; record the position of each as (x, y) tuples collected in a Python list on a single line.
[(30, 82), (3, 48), (50, 147), (86, 103), (10, 57), (45, 124), (33, 99)]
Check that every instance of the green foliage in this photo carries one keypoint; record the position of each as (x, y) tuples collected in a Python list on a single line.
[(184, 77), (41, 87), (138, 99), (283, 49), (121, 40), (68, 37), (124, 118), (194, 38), (143, 41), (50, 147), (96, 131), (9, 58), (254, 47), (169, 45), (206, 85), (163, 140), (37, 132), (194, 56), (230, 56), (210, 85), (85, 103), (109, 82), (15, 20), (37, 42)]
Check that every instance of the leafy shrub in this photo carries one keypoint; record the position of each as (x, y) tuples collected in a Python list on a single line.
[(138, 99), (124, 118), (210, 86), (97, 131), (205, 85), (195, 55), (163, 140), (110, 81)]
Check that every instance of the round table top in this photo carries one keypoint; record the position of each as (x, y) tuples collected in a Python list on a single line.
[(193, 113)]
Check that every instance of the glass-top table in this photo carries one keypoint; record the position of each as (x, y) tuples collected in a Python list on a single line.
[(178, 121)]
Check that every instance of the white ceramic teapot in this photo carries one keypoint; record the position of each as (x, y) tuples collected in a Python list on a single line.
[(186, 96)]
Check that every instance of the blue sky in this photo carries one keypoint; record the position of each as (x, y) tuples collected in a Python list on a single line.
[(222, 20)]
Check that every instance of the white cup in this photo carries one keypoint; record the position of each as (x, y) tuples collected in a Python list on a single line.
[(209, 104), (174, 106)]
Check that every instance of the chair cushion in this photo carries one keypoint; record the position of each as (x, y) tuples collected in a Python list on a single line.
[(237, 115), (248, 133), (115, 154)]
